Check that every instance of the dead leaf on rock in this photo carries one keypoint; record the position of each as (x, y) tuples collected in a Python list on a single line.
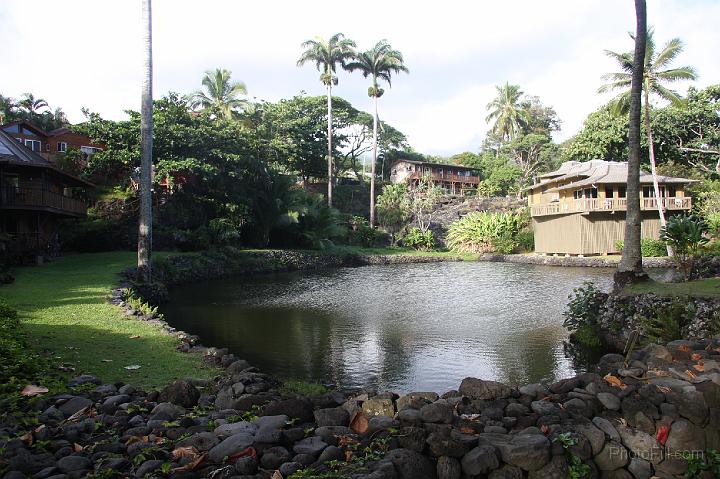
[(78, 414), (27, 438), (614, 381), (664, 389), (348, 456), (344, 441), (699, 367), (188, 451), (276, 475), (359, 423), (77, 447), (191, 466), (691, 374), (132, 367), (696, 357), (662, 434), (248, 451), (31, 390), (545, 429)]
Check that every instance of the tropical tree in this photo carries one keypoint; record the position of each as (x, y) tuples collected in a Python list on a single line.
[(222, 96), (7, 108), (327, 54), (656, 74), (630, 267), (508, 115), (146, 143), (379, 63), (32, 104)]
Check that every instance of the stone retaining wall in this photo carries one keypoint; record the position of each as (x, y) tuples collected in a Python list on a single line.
[(585, 262)]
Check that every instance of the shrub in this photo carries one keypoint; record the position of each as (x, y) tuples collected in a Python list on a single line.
[(392, 208), (582, 314), (667, 324), (97, 234), (526, 240), (360, 232), (419, 240), (685, 234), (19, 363), (649, 247), (483, 232)]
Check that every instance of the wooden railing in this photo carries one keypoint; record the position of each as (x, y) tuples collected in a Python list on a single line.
[(450, 178), (38, 198), (586, 205)]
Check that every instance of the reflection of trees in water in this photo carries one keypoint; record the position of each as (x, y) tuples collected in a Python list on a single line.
[(531, 356)]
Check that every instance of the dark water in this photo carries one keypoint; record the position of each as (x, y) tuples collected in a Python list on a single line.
[(421, 327)]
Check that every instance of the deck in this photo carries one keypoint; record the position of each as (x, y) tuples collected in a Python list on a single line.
[(589, 205), (39, 199)]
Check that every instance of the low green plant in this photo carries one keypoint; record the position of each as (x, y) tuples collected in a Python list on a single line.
[(698, 464), (667, 324), (649, 247), (577, 469), (685, 234), (360, 232), (419, 240), (135, 302), (482, 232), (302, 388), (19, 363), (582, 314)]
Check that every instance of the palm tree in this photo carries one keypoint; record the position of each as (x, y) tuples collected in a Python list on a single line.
[(656, 72), (146, 141), (380, 63), (509, 116), (32, 104), (327, 54), (630, 267), (7, 105), (223, 96)]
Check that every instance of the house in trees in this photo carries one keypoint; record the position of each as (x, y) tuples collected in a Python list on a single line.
[(579, 209), (34, 197), (453, 178), (50, 145)]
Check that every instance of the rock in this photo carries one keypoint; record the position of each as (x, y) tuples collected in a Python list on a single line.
[(612, 456), (235, 428), (74, 463), (416, 400), (83, 379), (181, 393), (166, 411), (640, 468), (378, 407), (269, 428), (641, 444), (148, 466), (380, 423), (691, 405), (529, 452), (685, 436), (289, 468), (557, 468), (237, 367), (336, 416), (292, 408), (411, 465), (479, 389), (577, 406), (74, 404), (412, 438), (203, 441), (273, 457), (111, 403), (410, 417), (480, 460), (536, 390), (311, 445), (30, 464), (657, 351), (544, 408), (616, 474), (330, 434), (230, 446), (437, 412), (507, 472), (610, 401), (441, 444), (595, 436), (680, 349), (606, 426), (246, 465), (448, 468), (304, 459)]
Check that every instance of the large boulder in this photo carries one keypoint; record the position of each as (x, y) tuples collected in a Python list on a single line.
[(480, 460), (411, 465), (180, 392), (230, 446), (641, 444), (529, 452), (475, 388)]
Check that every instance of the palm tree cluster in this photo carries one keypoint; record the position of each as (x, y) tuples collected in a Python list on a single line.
[(222, 97), (379, 63), (508, 115), (33, 109)]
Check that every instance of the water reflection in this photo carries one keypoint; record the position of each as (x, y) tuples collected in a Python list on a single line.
[(400, 327)]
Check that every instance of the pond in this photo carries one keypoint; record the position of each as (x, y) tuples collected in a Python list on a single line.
[(412, 327)]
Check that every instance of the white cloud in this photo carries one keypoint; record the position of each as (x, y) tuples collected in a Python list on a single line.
[(88, 53)]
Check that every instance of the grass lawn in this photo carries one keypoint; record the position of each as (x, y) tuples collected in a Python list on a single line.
[(709, 288), (65, 311)]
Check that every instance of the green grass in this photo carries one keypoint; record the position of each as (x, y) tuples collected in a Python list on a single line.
[(63, 305), (709, 288)]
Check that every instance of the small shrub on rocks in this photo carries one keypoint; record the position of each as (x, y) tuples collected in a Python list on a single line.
[(686, 236), (582, 316), (419, 240)]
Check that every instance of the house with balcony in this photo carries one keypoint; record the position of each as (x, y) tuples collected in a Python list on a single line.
[(453, 178), (34, 197), (579, 209), (50, 144)]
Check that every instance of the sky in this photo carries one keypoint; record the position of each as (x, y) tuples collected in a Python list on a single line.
[(88, 53)]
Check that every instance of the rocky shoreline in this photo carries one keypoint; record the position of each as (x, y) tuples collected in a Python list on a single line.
[(631, 419), (571, 261)]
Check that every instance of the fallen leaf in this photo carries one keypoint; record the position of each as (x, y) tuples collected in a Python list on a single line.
[(188, 451), (191, 466), (107, 360), (662, 434), (31, 390), (664, 389), (40, 428), (359, 423), (132, 367), (467, 430), (27, 438), (699, 368), (276, 475), (344, 441), (696, 357), (691, 374), (249, 451), (135, 439), (77, 447), (614, 381), (348, 456), (684, 347), (136, 336), (545, 429), (78, 414)]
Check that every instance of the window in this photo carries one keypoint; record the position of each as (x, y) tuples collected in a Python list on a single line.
[(609, 192), (34, 145), (11, 129), (61, 147), (591, 193), (671, 192), (90, 150), (648, 192), (621, 192)]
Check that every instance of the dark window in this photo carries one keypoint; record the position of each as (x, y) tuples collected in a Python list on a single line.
[(609, 191), (621, 192), (27, 132), (591, 193), (648, 192), (11, 129), (672, 192), (62, 148)]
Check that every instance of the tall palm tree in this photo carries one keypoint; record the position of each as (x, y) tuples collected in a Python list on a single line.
[(630, 267), (327, 54), (222, 96), (656, 73), (32, 104), (509, 116), (7, 107), (380, 62), (146, 142)]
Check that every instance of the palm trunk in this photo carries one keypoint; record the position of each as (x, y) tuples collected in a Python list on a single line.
[(653, 168), (374, 163), (329, 135), (630, 267), (146, 142)]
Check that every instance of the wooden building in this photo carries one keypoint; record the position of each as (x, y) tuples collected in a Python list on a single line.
[(455, 179), (50, 144), (34, 197), (579, 209)]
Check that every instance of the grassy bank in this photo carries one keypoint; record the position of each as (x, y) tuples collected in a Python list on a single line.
[(64, 310), (704, 288), (392, 251)]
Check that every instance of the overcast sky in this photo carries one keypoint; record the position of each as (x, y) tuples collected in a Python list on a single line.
[(88, 53)]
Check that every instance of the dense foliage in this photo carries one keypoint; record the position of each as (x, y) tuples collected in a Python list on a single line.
[(582, 314), (648, 247), (685, 234), (19, 363), (418, 239), (483, 232)]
